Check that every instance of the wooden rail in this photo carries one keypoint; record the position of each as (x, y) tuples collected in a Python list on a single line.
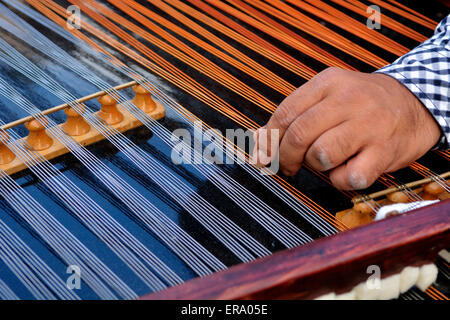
[(332, 264)]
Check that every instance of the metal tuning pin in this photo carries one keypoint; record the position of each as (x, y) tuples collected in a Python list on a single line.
[(75, 125), (38, 138), (143, 99), (109, 111), (6, 155)]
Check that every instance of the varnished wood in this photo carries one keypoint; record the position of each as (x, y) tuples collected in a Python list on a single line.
[(57, 149), (75, 124), (398, 197), (336, 263), (433, 188), (364, 212), (353, 218), (108, 110), (38, 139), (6, 155), (66, 105), (143, 99)]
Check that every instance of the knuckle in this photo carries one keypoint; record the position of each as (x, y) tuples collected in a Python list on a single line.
[(330, 73), (342, 145), (282, 114), (297, 136)]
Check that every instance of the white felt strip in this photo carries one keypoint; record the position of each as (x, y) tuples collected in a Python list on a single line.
[(401, 208), (390, 287), (428, 274), (408, 278)]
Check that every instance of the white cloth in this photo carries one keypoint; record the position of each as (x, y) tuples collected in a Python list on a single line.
[(402, 208)]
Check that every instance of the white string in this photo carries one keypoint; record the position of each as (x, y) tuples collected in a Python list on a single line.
[(118, 239), (35, 274), (6, 293), (62, 241), (267, 181), (176, 238), (143, 161)]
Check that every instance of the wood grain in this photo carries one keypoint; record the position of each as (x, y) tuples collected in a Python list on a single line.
[(335, 263), (92, 136)]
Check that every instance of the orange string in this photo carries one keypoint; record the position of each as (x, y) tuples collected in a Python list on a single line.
[(247, 65), (360, 8), (340, 19), (203, 65), (408, 13), (319, 210), (281, 33), (313, 28)]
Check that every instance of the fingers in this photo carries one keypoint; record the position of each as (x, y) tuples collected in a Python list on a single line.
[(362, 170), (304, 130), (292, 106), (335, 146), (259, 156)]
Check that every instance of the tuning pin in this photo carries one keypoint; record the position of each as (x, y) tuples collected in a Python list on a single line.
[(38, 138), (143, 99), (6, 155), (354, 218), (75, 124), (365, 207), (398, 197), (109, 111)]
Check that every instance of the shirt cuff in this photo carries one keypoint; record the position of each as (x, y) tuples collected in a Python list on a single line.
[(416, 86)]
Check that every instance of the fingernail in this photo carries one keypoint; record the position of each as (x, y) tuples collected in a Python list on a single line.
[(324, 160), (357, 181), (287, 172)]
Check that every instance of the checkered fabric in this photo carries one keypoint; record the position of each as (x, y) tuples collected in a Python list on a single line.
[(425, 71)]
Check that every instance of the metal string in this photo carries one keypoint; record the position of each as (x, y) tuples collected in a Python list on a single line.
[(142, 160), (269, 221), (62, 241), (282, 193), (35, 274), (123, 243), (163, 227), (6, 293)]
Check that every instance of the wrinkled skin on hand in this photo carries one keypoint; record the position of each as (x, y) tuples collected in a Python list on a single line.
[(354, 125)]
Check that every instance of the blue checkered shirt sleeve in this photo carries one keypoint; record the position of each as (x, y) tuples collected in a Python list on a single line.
[(425, 71)]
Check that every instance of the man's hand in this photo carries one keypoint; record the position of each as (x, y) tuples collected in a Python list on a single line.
[(355, 124)]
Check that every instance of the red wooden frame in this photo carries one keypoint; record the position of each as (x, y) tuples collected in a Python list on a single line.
[(335, 263)]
